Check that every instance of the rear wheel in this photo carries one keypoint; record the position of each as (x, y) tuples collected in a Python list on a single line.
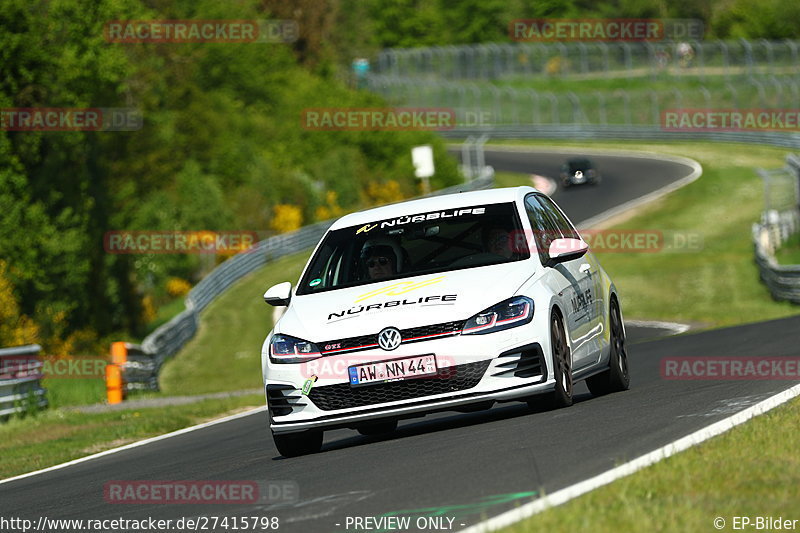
[(378, 428), (296, 444), (616, 378)]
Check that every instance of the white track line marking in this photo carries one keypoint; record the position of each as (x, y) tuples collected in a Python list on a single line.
[(136, 444), (675, 327), (564, 495)]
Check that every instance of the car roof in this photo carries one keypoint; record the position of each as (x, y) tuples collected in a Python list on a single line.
[(434, 203)]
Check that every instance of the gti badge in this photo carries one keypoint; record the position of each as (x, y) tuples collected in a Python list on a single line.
[(389, 339)]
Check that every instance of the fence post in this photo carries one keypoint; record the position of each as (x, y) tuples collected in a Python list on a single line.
[(734, 95), (466, 157), (723, 48), (748, 55)]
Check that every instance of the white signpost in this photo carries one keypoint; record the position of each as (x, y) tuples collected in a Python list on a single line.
[(422, 158)]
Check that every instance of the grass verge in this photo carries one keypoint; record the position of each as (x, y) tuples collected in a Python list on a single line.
[(752, 470), (225, 354), (789, 252), (56, 436)]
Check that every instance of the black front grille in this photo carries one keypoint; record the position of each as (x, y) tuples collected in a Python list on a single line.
[(413, 334), (363, 342), (450, 379)]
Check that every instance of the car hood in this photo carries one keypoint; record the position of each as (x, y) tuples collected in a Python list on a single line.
[(403, 303)]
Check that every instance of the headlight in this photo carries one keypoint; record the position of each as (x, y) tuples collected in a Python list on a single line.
[(286, 349), (508, 314)]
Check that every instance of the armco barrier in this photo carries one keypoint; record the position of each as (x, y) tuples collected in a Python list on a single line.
[(145, 361), (775, 227), (783, 281), (20, 375)]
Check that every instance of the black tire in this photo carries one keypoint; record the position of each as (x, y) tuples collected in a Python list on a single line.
[(562, 369), (296, 444), (617, 378), (377, 428)]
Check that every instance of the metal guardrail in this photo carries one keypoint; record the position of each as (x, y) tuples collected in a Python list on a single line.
[(145, 360), (491, 61), (20, 375), (776, 226)]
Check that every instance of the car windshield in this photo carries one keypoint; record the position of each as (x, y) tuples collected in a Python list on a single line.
[(411, 245), (579, 164)]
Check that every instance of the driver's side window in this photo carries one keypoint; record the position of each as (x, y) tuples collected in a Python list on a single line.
[(545, 228)]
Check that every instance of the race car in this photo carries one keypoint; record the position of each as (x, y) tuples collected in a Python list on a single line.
[(578, 171), (446, 303)]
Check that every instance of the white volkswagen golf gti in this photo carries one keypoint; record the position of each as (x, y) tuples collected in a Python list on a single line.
[(446, 303)]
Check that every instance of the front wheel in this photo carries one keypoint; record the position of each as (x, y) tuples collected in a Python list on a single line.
[(562, 367), (296, 444), (617, 377)]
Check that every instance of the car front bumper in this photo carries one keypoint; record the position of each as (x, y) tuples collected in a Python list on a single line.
[(516, 367)]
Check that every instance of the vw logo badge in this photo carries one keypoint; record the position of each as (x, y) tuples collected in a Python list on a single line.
[(389, 339)]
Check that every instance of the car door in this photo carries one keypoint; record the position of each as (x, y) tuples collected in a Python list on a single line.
[(572, 278), (591, 298)]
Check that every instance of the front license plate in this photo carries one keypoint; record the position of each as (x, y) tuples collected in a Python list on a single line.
[(394, 370)]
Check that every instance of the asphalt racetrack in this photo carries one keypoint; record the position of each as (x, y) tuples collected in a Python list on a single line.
[(463, 467)]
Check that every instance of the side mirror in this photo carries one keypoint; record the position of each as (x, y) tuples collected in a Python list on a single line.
[(563, 250), (279, 294)]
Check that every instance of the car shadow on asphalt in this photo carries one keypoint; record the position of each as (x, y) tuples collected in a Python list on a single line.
[(453, 420)]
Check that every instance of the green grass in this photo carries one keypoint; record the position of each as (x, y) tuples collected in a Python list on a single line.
[(789, 252), (226, 352), (56, 436), (752, 470), (66, 392)]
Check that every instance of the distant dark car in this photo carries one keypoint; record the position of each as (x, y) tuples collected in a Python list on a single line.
[(578, 171)]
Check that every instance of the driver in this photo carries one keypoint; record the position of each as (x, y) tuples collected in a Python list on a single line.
[(497, 241), (381, 260)]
